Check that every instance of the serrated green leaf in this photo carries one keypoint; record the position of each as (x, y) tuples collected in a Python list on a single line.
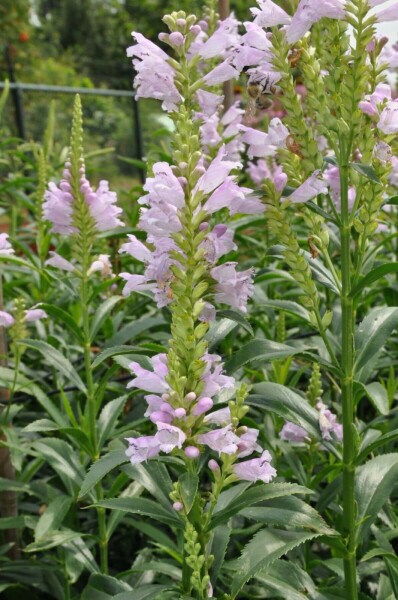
[(63, 459), (219, 545), (115, 351), (56, 360), (374, 275), (373, 333), (391, 436), (366, 170), (290, 510), (100, 468), (108, 418), (61, 315), (41, 425), (287, 580), (103, 587), (236, 316), (154, 477), (265, 547), (226, 509), (188, 485), (374, 483), (378, 396), (52, 540)]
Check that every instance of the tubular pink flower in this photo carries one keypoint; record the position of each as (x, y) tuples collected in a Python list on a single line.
[(308, 13), (248, 443), (223, 40), (142, 448), (222, 416), (169, 437), (136, 283), (202, 406), (291, 432), (151, 381), (390, 13), (269, 14), (221, 73), (216, 172), (233, 287), (220, 440), (103, 209), (209, 103), (35, 314), (256, 469), (5, 247), (155, 76), (328, 423), (218, 242), (388, 122), (58, 262), (6, 320), (370, 106), (309, 189), (58, 207)]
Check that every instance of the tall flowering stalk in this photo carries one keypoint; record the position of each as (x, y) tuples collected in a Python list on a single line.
[(184, 272)]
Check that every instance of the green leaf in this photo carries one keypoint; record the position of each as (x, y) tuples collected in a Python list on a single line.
[(373, 276), (219, 545), (259, 350), (52, 539), (287, 580), (100, 468), (9, 485), (12, 522), (378, 396), (56, 360), (115, 351), (365, 170), (231, 502), (145, 592), (154, 477), (374, 483), (290, 510), (328, 216), (236, 316), (41, 425), (188, 485), (81, 555), (219, 331), (286, 403), (391, 436), (102, 313), (53, 516), (264, 548), (108, 418), (103, 587), (63, 459), (132, 330), (63, 316), (143, 506), (288, 306), (373, 333)]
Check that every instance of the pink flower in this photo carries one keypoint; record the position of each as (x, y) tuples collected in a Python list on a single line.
[(102, 265), (248, 443), (155, 76), (169, 437), (263, 144), (236, 199), (328, 423), (136, 283), (223, 39), (6, 320), (151, 381), (291, 432), (209, 103), (387, 14), (142, 448), (209, 135), (233, 287), (269, 14), (218, 242), (58, 207), (332, 177), (136, 249), (259, 171), (382, 152), (35, 314), (103, 209), (222, 416), (371, 103), (221, 440), (213, 378), (308, 13), (216, 173), (202, 406), (309, 189), (256, 469), (5, 247), (221, 73), (58, 262), (388, 122)]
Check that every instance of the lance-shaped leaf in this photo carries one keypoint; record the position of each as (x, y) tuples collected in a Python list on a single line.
[(265, 547), (145, 507), (53, 516), (259, 350), (100, 468), (373, 333)]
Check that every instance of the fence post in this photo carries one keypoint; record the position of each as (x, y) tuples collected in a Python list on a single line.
[(223, 9), (16, 95)]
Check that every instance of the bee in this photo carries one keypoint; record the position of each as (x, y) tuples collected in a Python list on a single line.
[(293, 146), (169, 294), (260, 88), (313, 249), (294, 57)]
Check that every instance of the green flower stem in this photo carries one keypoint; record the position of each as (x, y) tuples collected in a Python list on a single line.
[(325, 338), (347, 367)]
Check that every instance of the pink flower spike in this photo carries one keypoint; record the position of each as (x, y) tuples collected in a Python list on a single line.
[(142, 448), (5, 247), (169, 437), (309, 189), (136, 249), (256, 469), (6, 320), (58, 208)]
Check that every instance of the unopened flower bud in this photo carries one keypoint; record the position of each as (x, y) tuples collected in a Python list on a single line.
[(181, 22), (158, 416), (213, 465), (202, 406), (176, 38), (183, 181), (192, 452), (166, 397), (195, 30), (203, 25), (177, 506), (180, 413), (190, 397), (163, 37)]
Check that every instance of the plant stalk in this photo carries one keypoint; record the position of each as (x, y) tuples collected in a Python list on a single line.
[(347, 368)]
